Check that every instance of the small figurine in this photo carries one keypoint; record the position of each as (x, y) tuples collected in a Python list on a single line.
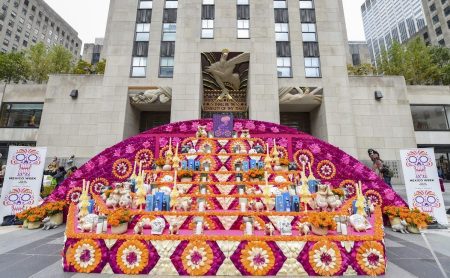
[(158, 226), (304, 228), (269, 229), (139, 228), (184, 204), (174, 229), (201, 132), (48, 225), (359, 223), (256, 205), (400, 227), (245, 133)]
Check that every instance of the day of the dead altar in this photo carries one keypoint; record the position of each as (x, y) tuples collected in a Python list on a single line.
[(261, 199)]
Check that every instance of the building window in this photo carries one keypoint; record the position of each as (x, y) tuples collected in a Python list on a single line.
[(167, 54), (208, 16), (4, 148), (311, 51), (284, 64), (142, 38), (431, 117), (243, 19), (21, 115)]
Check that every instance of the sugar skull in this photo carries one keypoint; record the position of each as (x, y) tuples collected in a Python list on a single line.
[(18, 199), (26, 158), (426, 201), (419, 160)]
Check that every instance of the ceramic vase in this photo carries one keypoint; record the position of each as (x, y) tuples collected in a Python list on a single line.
[(319, 231), (34, 225), (57, 219), (394, 221), (412, 229), (121, 229)]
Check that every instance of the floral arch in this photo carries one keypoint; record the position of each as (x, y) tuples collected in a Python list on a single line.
[(329, 163)]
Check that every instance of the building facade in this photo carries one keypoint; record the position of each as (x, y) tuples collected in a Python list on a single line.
[(277, 61), (92, 52), (437, 13), (359, 53), (386, 21), (24, 23)]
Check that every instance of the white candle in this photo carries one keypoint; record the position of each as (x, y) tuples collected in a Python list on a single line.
[(99, 229), (241, 191), (105, 225), (203, 190), (199, 228), (201, 206), (243, 206), (248, 228), (203, 179), (206, 168), (344, 229), (238, 179)]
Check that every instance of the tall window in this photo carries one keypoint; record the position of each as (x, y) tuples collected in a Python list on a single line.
[(208, 15), (431, 117), (284, 65), (309, 35), (166, 62), (243, 19), (21, 115), (141, 39)]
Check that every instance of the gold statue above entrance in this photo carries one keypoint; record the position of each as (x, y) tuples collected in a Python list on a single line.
[(225, 80), (223, 72)]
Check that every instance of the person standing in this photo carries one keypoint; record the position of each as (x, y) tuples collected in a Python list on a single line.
[(379, 167)]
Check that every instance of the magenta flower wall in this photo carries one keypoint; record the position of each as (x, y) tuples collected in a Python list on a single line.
[(329, 163)]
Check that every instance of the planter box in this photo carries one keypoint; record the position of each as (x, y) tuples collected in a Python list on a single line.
[(57, 219), (34, 225)]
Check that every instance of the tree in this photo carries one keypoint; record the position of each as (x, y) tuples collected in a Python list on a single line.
[(60, 59), (441, 57), (13, 67), (100, 67), (37, 56), (360, 70), (82, 67), (413, 61)]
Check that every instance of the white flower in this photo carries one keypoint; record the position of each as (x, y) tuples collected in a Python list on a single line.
[(134, 251), (84, 255), (369, 257), (258, 258), (196, 258), (325, 258)]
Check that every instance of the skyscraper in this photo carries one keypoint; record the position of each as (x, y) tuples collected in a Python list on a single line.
[(437, 14), (386, 21), (27, 22)]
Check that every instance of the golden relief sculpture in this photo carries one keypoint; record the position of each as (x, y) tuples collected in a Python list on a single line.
[(223, 72)]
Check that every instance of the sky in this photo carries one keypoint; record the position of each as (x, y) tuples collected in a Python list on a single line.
[(88, 17)]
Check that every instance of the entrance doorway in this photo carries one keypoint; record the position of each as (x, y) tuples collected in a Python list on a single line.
[(152, 119), (301, 121)]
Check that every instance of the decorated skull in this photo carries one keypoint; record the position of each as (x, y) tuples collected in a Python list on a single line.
[(26, 158), (419, 160), (18, 199), (426, 201)]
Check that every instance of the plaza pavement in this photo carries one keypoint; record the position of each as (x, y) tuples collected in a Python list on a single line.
[(37, 253)]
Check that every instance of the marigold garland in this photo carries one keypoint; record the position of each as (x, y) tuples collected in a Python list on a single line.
[(73, 196), (211, 160), (197, 258), (132, 257), (370, 257), (122, 168), (203, 143), (349, 186), (326, 169), (325, 258), (374, 197), (258, 258), (145, 156), (84, 256)]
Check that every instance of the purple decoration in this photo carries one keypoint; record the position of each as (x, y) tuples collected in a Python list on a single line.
[(223, 125)]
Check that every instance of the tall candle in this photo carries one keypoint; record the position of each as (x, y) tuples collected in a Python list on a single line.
[(201, 206), (105, 225), (248, 228), (243, 206), (199, 228), (344, 229), (99, 228)]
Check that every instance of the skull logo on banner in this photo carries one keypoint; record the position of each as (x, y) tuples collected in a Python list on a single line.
[(419, 160), (19, 199), (26, 158), (426, 201)]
